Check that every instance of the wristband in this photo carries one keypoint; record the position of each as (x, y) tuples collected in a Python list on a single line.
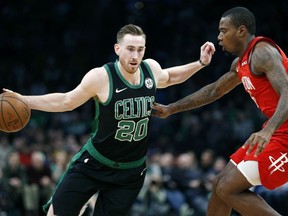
[(204, 65)]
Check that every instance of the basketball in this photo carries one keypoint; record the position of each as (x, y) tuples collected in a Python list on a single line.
[(14, 112)]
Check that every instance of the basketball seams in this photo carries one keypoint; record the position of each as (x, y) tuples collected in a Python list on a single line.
[(13, 108), (2, 115), (11, 104), (8, 96)]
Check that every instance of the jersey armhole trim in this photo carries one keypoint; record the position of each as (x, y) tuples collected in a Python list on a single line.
[(150, 72), (110, 85)]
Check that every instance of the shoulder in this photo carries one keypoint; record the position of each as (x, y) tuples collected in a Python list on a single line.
[(99, 73), (263, 57), (155, 68), (265, 45), (232, 78), (95, 78), (233, 67), (95, 83), (154, 65)]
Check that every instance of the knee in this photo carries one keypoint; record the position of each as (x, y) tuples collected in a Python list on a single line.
[(215, 183), (220, 187)]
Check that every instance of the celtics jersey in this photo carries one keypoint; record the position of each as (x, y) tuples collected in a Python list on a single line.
[(121, 124)]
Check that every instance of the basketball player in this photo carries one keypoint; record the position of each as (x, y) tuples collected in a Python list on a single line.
[(112, 162), (262, 68)]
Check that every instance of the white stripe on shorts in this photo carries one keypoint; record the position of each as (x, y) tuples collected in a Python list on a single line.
[(250, 170)]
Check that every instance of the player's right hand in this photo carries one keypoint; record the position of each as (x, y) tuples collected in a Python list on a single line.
[(160, 110)]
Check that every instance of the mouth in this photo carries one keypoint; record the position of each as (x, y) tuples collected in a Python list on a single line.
[(133, 64), (220, 44)]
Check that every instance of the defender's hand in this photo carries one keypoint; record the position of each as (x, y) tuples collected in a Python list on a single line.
[(260, 139), (160, 110)]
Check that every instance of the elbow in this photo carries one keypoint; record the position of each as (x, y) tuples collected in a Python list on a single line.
[(69, 108), (216, 94), (68, 105)]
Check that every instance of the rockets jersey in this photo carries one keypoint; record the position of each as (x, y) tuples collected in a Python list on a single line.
[(121, 124), (259, 87)]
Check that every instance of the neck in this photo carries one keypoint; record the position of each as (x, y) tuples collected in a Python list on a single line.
[(131, 77), (246, 44)]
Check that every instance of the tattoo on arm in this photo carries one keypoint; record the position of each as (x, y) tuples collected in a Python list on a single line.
[(207, 94), (262, 60), (267, 60)]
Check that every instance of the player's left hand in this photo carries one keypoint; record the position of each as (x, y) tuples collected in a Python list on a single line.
[(207, 50), (260, 139), (7, 90)]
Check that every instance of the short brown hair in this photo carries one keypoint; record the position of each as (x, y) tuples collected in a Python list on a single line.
[(130, 29)]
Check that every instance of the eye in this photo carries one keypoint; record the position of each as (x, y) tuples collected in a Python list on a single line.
[(223, 31)]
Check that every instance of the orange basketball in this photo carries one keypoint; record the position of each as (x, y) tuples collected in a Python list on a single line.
[(14, 112)]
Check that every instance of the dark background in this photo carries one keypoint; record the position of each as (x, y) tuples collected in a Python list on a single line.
[(48, 46)]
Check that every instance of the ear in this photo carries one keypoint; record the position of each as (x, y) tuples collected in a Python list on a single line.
[(242, 30), (117, 49)]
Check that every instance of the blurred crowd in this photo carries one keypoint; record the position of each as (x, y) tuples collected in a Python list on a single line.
[(48, 46)]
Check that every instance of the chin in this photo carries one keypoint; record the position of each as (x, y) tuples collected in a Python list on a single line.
[(131, 71), (226, 51)]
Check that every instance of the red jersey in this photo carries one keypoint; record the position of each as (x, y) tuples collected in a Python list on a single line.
[(273, 160), (259, 87)]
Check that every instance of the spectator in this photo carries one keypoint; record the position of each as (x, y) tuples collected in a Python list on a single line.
[(58, 165), (39, 184), (13, 180), (187, 176)]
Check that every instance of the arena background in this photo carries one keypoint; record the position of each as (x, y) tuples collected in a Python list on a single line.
[(48, 46)]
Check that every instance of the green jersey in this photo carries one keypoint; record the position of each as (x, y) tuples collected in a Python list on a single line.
[(121, 123)]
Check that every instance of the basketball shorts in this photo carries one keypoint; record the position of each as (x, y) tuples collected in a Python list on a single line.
[(272, 161), (117, 189)]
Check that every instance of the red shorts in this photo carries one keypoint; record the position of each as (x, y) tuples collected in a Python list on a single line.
[(272, 161)]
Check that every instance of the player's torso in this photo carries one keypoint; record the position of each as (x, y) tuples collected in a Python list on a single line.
[(121, 124), (259, 87)]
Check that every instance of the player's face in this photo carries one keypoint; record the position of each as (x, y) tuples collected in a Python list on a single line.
[(229, 36), (131, 51)]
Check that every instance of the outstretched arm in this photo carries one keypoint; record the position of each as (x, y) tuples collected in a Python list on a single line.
[(181, 73), (204, 96), (178, 74), (93, 84)]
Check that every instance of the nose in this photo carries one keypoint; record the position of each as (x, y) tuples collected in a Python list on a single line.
[(219, 37), (135, 55)]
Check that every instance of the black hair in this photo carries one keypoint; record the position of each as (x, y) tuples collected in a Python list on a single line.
[(242, 16)]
